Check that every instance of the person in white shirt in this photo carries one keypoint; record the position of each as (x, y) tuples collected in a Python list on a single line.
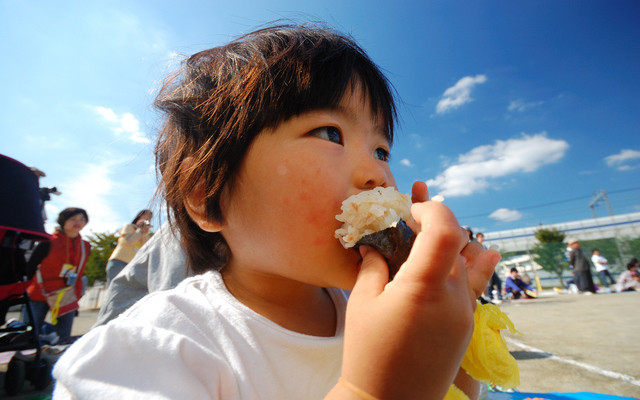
[(262, 140), (602, 267)]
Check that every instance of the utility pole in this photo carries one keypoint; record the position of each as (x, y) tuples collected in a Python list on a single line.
[(602, 196)]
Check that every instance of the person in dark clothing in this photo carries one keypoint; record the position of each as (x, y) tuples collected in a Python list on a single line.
[(494, 283), (581, 267)]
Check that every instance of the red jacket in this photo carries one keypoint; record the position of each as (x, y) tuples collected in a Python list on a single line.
[(63, 250)]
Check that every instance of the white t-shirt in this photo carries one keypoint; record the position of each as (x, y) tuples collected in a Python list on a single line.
[(599, 262), (197, 341)]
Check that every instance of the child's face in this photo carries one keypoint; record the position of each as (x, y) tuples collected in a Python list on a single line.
[(280, 217)]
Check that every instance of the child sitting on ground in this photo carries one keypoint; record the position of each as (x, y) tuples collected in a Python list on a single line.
[(517, 287), (262, 141)]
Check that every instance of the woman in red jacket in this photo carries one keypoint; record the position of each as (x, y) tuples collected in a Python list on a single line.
[(59, 265)]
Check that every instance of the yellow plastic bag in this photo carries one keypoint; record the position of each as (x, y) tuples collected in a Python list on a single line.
[(488, 359), (455, 394)]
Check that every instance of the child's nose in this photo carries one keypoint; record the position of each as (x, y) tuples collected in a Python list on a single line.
[(371, 173)]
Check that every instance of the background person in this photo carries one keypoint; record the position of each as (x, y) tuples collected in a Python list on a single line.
[(518, 287), (602, 267), (629, 280), (581, 267), (132, 237), (470, 233), (495, 283), (160, 264), (56, 265)]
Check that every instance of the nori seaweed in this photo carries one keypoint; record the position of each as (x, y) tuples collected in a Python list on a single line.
[(393, 243)]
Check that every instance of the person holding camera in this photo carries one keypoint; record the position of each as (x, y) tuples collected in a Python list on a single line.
[(132, 237)]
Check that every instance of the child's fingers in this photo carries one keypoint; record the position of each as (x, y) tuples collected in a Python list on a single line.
[(419, 192), (480, 271), (471, 251), (438, 245), (373, 275)]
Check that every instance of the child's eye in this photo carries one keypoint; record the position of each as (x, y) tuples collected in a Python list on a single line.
[(381, 154), (329, 133)]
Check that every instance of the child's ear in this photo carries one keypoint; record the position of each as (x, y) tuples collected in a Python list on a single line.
[(195, 204), (196, 209)]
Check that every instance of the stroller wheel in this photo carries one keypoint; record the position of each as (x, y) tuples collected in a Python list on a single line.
[(14, 378), (42, 373)]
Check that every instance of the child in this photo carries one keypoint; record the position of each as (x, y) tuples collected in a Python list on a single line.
[(263, 140), (517, 287)]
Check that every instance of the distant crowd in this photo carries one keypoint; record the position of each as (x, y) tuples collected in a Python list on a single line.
[(518, 284)]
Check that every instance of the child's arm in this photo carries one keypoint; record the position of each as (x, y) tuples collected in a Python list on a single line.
[(406, 339)]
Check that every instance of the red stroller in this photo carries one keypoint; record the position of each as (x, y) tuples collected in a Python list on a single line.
[(21, 224)]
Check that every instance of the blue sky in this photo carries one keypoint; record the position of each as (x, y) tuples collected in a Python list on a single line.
[(517, 112)]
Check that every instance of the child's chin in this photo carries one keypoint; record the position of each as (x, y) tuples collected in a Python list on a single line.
[(346, 273), (348, 282)]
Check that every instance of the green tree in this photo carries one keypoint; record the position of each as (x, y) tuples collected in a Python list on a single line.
[(102, 245), (549, 252)]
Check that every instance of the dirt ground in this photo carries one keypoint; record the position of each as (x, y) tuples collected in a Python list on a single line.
[(577, 343), (568, 343)]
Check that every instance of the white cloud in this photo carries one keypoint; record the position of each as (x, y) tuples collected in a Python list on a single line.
[(622, 159), (91, 190), (505, 215), (126, 124), (406, 162), (459, 94), (521, 105), (477, 169)]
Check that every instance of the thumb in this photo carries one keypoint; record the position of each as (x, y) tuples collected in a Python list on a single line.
[(373, 275)]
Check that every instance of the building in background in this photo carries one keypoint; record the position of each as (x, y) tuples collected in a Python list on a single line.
[(522, 240)]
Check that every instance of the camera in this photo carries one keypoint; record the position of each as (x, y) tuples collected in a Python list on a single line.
[(45, 193)]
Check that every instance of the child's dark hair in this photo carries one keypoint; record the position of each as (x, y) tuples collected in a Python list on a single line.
[(221, 98)]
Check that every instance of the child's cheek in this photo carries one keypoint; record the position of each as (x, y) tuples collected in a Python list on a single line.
[(317, 213)]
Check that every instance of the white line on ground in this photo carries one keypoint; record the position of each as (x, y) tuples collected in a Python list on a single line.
[(591, 368)]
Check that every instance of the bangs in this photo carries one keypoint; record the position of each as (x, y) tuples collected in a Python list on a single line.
[(330, 83), (310, 69)]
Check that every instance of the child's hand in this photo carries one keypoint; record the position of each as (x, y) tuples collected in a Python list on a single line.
[(406, 339), (478, 276)]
